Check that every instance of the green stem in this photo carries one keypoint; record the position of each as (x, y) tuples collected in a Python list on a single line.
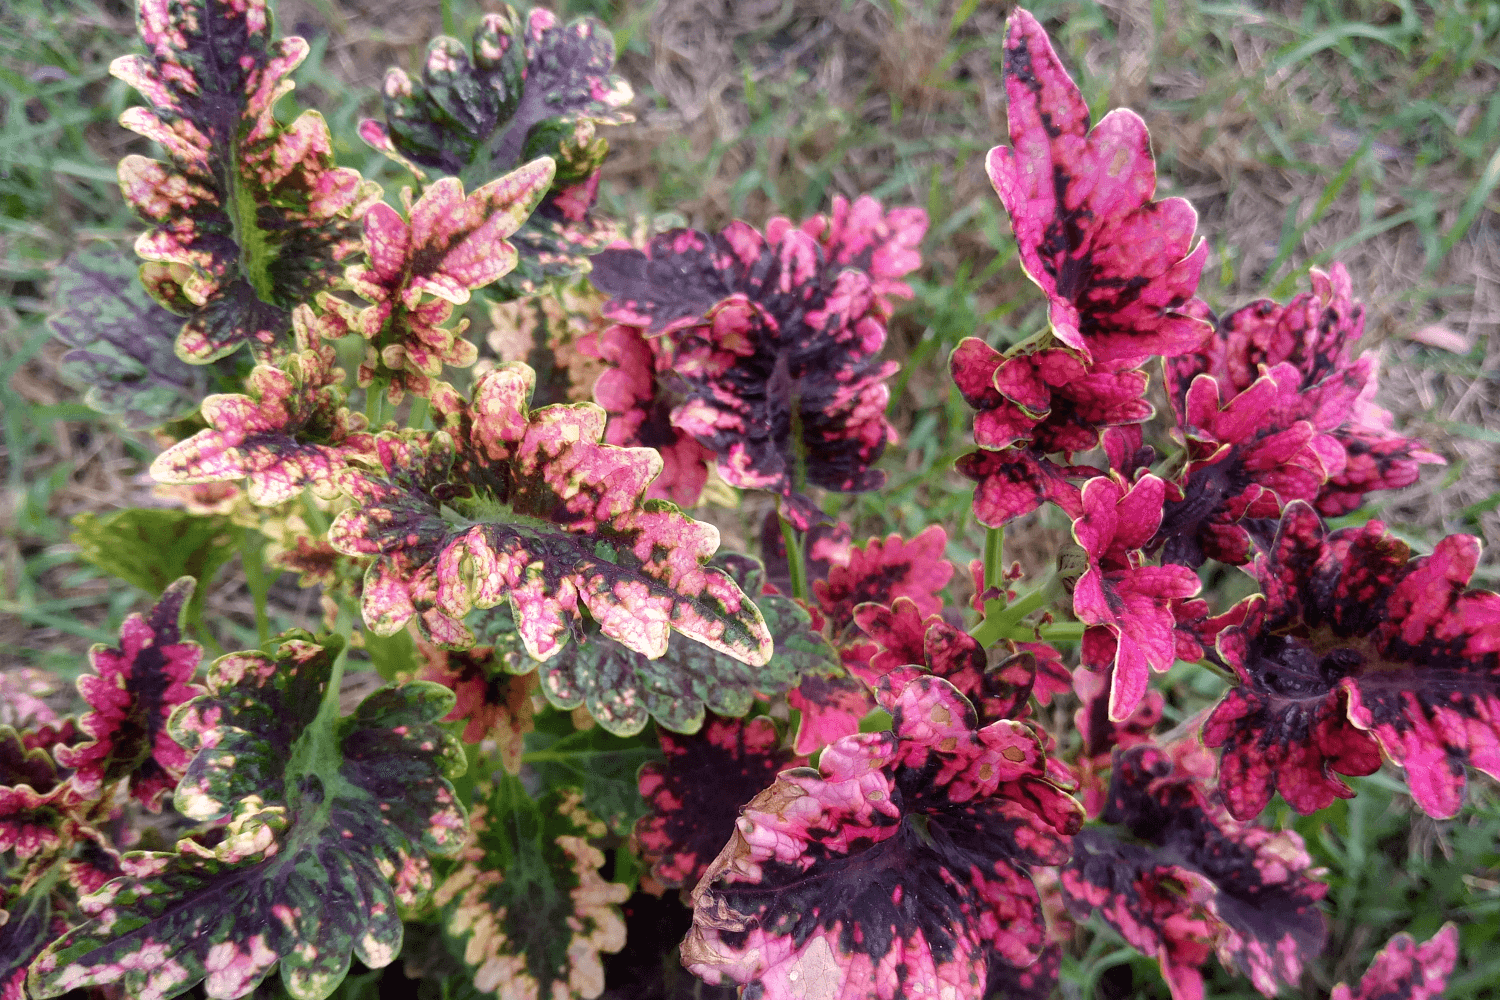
[(1214, 668), (417, 418), (252, 546), (997, 627), (794, 560), (994, 570), (375, 403)]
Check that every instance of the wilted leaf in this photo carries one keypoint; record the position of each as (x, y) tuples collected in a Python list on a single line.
[(527, 900), (528, 508), (330, 822), (249, 217)]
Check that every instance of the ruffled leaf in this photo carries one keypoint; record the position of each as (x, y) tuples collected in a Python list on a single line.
[(903, 861), (695, 794), (122, 341), (620, 688), (249, 217), (1405, 970), (538, 88), (777, 348), (1118, 268), (527, 900), (529, 508), (132, 693), (1192, 880), (330, 822), (1354, 649), (1013, 482)]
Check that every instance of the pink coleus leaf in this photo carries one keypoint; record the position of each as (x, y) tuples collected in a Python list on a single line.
[(330, 822), (527, 907), (532, 87), (557, 334), (527, 507), (883, 570), (249, 217), (291, 431), (1405, 970), (903, 860), (1249, 455), (620, 687), (636, 391), (1315, 334), (1354, 649), (34, 802), (824, 546), (1101, 736), (422, 262), (1126, 604), (832, 706), (696, 793), (132, 693), (885, 244), (1016, 481), (1191, 880), (1117, 267), (777, 348), (492, 687)]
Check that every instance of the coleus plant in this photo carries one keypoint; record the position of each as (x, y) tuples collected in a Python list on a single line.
[(595, 722)]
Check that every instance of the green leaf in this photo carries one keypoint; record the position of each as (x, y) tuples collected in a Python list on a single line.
[(151, 548), (595, 762)]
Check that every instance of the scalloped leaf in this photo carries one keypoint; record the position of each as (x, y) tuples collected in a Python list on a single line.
[(329, 826), (903, 860), (1191, 879), (538, 88), (881, 571), (1354, 649), (151, 547), (620, 688), (132, 693), (777, 348), (249, 217), (527, 904), (527, 507), (696, 793), (122, 342), (1405, 970), (1119, 269)]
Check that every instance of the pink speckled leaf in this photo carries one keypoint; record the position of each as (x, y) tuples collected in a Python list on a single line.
[(329, 825), (1016, 481), (420, 264), (885, 244), (527, 507), (1357, 648), (1117, 267), (1190, 880), (532, 87), (492, 686), (1405, 970), (904, 860), (696, 793), (249, 217), (133, 691), (883, 570)]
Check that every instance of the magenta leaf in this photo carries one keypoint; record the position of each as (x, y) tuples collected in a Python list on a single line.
[(249, 217), (291, 431), (620, 687), (696, 794), (1016, 481), (777, 348), (526, 906), (122, 342), (527, 507), (832, 706), (34, 801), (1126, 604), (422, 262), (1405, 970), (532, 87), (1354, 649), (881, 571), (330, 823), (863, 235), (1191, 879), (903, 860), (132, 693), (1118, 268)]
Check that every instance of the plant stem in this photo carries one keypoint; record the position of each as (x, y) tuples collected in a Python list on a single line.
[(375, 404), (252, 545), (997, 627), (794, 560), (994, 571)]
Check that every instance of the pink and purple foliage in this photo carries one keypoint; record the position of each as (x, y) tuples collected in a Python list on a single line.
[(942, 818), (1356, 648), (1405, 970), (777, 344)]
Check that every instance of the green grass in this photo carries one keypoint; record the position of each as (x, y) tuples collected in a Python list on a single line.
[(1362, 131)]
